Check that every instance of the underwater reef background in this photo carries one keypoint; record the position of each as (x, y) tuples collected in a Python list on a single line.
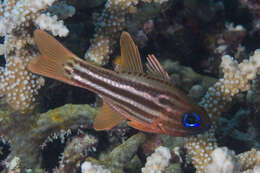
[(210, 48)]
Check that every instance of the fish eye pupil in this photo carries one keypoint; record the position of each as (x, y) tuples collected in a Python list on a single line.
[(191, 119)]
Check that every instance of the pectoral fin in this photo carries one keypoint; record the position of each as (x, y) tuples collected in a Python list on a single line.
[(107, 117), (154, 67), (130, 57)]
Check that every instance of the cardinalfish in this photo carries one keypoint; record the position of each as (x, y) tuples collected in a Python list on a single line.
[(149, 101)]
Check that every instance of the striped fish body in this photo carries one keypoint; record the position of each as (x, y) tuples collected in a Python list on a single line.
[(140, 97), (151, 102)]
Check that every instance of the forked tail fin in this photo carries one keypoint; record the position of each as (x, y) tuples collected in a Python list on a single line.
[(52, 59)]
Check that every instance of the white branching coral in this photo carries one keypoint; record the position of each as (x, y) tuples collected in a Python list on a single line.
[(88, 167), (237, 77), (18, 18), (45, 21), (17, 84), (14, 165), (109, 25), (158, 161), (223, 161)]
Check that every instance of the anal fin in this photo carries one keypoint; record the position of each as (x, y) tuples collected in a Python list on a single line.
[(107, 117)]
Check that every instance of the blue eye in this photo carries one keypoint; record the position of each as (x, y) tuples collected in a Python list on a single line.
[(191, 120)]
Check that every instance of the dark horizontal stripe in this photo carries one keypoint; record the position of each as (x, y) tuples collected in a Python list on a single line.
[(121, 91), (137, 85), (125, 92), (121, 102), (118, 91), (130, 113)]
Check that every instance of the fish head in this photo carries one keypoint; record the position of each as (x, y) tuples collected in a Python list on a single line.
[(182, 117)]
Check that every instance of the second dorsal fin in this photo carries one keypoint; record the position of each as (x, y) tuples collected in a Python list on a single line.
[(130, 57), (154, 67)]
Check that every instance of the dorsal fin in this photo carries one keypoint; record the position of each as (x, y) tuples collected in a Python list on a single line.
[(130, 57), (154, 67), (54, 55), (107, 117)]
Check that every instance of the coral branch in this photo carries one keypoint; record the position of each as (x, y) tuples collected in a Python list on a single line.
[(17, 22), (236, 78)]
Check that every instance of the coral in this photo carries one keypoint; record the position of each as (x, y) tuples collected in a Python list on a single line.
[(45, 21), (158, 161), (122, 149), (236, 78), (121, 155), (14, 165), (62, 9), (186, 77), (109, 24), (223, 161), (17, 84), (226, 41), (229, 41), (75, 152), (200, 148), (196, 91), (88, 167), (249, 160), (26, 138), (254, 7), (18, 19)]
